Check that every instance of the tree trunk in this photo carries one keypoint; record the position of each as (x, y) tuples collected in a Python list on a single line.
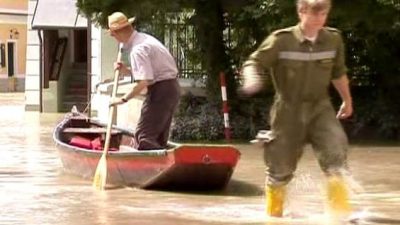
[(209, 23)]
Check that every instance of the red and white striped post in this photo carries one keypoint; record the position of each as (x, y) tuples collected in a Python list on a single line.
[(225, 109)]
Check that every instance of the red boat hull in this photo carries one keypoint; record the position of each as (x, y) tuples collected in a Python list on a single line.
[(194, 167)]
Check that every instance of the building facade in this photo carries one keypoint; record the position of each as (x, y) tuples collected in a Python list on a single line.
[(13, 37), (57, 60)]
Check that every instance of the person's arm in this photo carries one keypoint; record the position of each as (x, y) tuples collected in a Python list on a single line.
[(253, 68), (141, 85), (341, 85)]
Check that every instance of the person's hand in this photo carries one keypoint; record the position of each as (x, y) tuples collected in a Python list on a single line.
[(116, 101), (252, 82), (345, 111), (118, 65), (249, 89), (123, 69)]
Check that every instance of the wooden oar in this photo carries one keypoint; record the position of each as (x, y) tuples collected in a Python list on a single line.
[(100, 177)]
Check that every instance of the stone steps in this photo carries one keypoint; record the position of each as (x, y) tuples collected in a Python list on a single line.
[(76, 89)]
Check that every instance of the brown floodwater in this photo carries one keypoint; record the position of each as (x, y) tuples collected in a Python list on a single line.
[(35, 190)]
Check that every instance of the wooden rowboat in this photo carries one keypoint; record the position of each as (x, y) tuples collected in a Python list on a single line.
[(181, 166)]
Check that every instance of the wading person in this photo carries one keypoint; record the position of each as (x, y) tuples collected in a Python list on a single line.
[(303, 61), (154, 68)]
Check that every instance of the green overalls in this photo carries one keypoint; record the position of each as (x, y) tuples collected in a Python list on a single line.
[(302, 113)]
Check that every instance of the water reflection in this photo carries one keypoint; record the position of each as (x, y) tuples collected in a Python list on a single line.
[(34, 189)]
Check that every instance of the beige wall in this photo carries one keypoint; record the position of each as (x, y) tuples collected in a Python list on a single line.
[(14, 4), (109, 50), (13, 20), (20, 45)]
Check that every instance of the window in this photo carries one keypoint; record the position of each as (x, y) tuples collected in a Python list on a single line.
[(2, 55)]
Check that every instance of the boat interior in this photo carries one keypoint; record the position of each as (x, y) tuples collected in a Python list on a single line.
[(82, 132)]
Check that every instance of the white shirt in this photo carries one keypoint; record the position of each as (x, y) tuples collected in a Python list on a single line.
[(311, 39), (149, 58)]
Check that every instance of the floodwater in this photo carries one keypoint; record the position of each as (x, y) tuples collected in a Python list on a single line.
[(34, 189)]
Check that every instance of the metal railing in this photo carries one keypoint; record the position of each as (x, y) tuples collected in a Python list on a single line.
[(179, 37)]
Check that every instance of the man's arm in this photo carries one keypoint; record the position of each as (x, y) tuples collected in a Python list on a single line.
[(342, 87), (141, 85), (253, 68)]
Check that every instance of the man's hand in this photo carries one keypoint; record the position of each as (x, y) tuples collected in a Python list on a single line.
[(342, 86), (249, 89), (345, 111), (123, 69), (252, 81)]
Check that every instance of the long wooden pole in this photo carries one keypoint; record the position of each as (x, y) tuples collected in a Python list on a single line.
[(100, 176)]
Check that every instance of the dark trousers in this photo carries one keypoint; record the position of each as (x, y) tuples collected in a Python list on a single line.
[(159, 106)]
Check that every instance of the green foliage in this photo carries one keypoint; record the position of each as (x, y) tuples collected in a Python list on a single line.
[(376, 116), (257, 20), (372, 36), (197, 120), (147, 11)]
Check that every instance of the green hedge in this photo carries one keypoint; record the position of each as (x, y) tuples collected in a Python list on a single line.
[(200, 120)]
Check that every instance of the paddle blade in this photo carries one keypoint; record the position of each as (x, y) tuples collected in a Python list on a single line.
[(100, 177)]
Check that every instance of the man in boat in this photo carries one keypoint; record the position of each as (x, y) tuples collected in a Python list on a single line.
[(154, 68), (303, 61)]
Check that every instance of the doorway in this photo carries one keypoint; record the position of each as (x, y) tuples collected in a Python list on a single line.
[(11, 55), (80, 46)]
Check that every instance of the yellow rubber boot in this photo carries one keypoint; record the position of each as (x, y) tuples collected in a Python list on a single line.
[(338, 197), (275, 197)]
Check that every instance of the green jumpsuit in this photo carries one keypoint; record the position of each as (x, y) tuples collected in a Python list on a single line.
[(302, 112)]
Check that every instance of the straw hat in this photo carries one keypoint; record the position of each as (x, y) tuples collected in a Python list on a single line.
[(118, 20)]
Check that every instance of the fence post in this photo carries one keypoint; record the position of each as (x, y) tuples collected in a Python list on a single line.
[(225, 109)]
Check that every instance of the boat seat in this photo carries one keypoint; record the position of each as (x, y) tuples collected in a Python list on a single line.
[(90, 130), (126, 148), (91, 137)]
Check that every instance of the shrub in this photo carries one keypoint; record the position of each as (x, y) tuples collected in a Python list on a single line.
[(199, 120)]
